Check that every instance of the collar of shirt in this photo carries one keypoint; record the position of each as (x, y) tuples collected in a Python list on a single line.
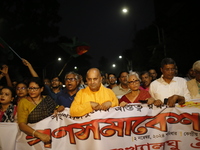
[(161, 80), (120, 87)]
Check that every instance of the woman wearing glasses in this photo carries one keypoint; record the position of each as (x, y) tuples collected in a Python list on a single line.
[(136, 94), (35, 108), (21, 91)]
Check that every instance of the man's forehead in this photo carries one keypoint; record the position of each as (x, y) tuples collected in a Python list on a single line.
[(111, 75), (124, 74), (92, 75), (70, 75), (169, 66)]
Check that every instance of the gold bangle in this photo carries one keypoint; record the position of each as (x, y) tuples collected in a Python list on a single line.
[(33, 133)]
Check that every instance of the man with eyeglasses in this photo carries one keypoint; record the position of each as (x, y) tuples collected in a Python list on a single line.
[(168, 86), (66, 96), (122, 88), (112, 80), (94, 97), (55, 88)]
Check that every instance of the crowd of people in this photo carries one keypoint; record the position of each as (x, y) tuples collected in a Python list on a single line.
[(32, 100)]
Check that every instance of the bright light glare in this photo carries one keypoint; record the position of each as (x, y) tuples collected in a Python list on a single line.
[(120, 57), (59, 59), (124, 10), (75, 67), (113, 65)]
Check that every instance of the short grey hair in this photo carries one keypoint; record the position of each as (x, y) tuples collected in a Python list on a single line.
[(133, 74), (196, 66), (74, 73)]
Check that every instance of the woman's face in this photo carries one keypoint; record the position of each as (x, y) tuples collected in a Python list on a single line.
[(34, 90), (21, 90), (6, 96), (133, 83)]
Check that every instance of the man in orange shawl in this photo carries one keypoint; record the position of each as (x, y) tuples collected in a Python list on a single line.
[(94, 97)]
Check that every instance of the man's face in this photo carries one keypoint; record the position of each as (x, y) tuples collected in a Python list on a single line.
[(55, 82), (168, 71), (47, 82), (71, 82), (123, 78), (112, 79), (94, 80), (146, 79), (197, 75), (153, 73)]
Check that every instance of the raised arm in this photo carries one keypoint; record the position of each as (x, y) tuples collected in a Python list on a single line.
[(4, 72), (32, 71)]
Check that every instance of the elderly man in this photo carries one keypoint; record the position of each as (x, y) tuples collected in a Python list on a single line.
[(194, 84), (66, 96), (94, 97), (168, 86)]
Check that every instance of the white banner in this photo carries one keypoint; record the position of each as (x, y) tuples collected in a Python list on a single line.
[(134, 127)]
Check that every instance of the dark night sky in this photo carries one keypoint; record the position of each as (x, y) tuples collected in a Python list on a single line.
[(102, 24)]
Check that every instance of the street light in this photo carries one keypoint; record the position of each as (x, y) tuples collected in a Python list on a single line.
[(120, 57), (113, 65), (125, 10), (44, 70)]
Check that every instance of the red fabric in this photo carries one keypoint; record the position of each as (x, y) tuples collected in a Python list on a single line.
[(142, 96)]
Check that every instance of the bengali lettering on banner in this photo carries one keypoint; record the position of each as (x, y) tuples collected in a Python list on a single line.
[(134, 127)]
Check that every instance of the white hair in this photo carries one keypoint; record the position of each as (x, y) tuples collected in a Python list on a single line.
[(196, 66), (133, 74)]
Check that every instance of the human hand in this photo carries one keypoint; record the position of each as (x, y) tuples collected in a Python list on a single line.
[(150, 101), (106, 105), (25, 62), (181, 100), (122, 104), (55, 114), (44, 137), (175, 98), (4, 70), (158, 103), (95, 105)]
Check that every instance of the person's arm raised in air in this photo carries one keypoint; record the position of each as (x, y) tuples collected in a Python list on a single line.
[(32, 71), (4, 72)]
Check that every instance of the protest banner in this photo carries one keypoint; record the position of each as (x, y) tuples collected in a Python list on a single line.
[(134, 127)]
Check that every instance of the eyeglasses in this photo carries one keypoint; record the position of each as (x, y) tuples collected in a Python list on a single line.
[(123, 77), (170, 69), (22, 88), (197, 72), (33, 88), (112, 77), (70, 79), (134, 82), (56, 80)]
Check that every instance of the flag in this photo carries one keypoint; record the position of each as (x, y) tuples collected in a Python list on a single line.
[(75, 48)]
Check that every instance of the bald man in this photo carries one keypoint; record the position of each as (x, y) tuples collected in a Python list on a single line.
[(94, 97)]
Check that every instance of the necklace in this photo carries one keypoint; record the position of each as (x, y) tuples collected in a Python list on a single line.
[(34, 101)]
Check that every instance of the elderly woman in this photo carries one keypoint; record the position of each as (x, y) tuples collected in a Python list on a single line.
[(136, 94), (34, 108), (194, 84)]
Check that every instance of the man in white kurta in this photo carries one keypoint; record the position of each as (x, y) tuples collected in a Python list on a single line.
[(168, 86)]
